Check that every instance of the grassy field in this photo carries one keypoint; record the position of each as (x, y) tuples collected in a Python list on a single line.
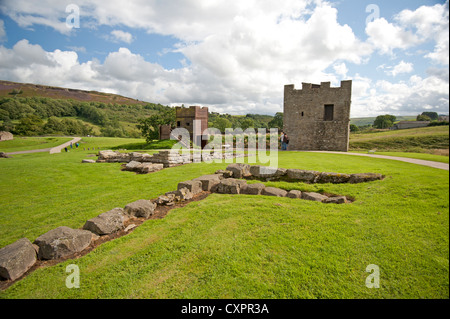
[(234, 246), (31, 143), (419, 140)]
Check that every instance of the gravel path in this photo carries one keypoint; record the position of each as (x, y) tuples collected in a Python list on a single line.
[(52, 150), (439, 165), (58, 149)]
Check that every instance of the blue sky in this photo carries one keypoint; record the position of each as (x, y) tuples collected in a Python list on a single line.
[(234, 56)]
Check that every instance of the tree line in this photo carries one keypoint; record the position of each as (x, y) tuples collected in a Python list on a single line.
[(387, 121), (42, 115), (150, 126)]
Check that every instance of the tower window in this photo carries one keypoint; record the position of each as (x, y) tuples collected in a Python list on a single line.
[(328, 114)]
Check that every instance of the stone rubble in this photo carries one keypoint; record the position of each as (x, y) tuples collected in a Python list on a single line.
[(16, 259)]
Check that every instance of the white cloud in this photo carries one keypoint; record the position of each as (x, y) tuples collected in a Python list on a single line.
[(2, 31), (386, 36), (401, 67), (49, 13), (340, 69), (121, 36), (440, 55), (240, 53), (431, 22), (401, 98), (23, 54), (410, 28)]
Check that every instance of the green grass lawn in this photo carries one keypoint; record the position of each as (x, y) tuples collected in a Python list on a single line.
[(32, 143), (235, 246), (419, 140)]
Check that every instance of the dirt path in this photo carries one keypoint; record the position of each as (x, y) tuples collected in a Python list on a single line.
[(439, 165), (58, 149), (52, 150)]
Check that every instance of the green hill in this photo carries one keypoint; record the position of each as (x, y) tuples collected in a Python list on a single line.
[(421, 140), (11, 89), (28, 109)]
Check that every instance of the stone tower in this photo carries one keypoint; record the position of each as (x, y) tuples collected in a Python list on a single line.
[(317, 117), (185, 118)]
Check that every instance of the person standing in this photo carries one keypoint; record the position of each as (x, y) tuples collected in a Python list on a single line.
[(285, 142), (281, 139)]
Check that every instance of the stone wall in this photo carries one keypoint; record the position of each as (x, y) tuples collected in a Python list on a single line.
[(317, 117), (138, 162), (410, 124)]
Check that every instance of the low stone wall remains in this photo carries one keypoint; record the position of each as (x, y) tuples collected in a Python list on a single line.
[(17, 258)]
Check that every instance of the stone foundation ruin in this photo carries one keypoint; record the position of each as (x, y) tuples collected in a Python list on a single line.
[(145, 163), (18, 258)]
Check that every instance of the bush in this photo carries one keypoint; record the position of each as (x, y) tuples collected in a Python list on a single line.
[(384, 121), (423, 117), (354, 128), (436, 123)]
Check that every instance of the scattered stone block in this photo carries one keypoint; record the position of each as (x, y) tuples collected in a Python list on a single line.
[(140, 208), (146, 158), (106, 223), (130, 227), (230, 186), (132, 166), (209, 181), (334, 178), (239, 170), (61, 242), (314, 196), (171, 158), (16, 259), (267, 172), (146, 168), (274, 191), (87, 161), (294, 194), (181, 194), (135, 156), (225, 173), (336, 200), (303, 175), (112, 157), (252, 189), (364, 177), (194, 186), (168, 199)]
